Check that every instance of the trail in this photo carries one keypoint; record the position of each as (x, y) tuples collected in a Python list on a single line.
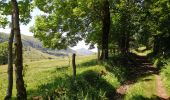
[(161, 92), (144, 66)]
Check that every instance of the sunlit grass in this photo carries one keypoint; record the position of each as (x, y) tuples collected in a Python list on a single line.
[(142, 48), (144, 53), (165, 75), (145, 88), (45, 76)]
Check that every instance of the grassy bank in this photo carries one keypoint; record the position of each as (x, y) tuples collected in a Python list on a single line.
[(165, 74), (52, 78), (143, 89)]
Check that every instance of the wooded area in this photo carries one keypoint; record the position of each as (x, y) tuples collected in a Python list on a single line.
[(132, 38)]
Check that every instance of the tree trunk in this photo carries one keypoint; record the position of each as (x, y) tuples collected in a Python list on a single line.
[(156, 46), (122, 43), (125, 34), (10, 64), (105, 29), (127, 43), (21, 91), (98, 54), (74, 64)]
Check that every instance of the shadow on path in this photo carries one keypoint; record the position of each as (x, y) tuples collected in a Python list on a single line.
[(137, 67)]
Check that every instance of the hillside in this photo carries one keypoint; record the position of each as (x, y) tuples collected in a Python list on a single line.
[(29, 41), (32, 54)]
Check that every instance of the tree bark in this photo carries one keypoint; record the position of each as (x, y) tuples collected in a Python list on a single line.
[(21, 91), (98, 53), (10, 64), (156, 46), (74, 64), (127, 43), (125, 34), (105, 29), (122, 43)]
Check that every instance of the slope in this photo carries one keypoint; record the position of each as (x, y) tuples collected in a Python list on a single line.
[(29, 41)]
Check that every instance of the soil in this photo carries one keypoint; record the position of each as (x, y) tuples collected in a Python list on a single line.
[(160, 91), (144, 67)]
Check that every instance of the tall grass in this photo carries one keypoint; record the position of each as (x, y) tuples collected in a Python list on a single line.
[(165, 74), (47, 78), (53, 79)]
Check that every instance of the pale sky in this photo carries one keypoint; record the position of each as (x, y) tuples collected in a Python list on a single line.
[(25, 30)]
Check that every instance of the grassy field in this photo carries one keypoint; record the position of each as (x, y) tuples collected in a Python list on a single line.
[(42, 77), (31, 54), (53, 79)]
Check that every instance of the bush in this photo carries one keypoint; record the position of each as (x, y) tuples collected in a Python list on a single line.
[(3, 53), (89, 85), (165, 73), (160, 63)]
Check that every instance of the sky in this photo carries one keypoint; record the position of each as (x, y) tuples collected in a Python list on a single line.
[(25, 30)]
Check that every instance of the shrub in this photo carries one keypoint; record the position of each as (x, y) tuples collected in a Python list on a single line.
[(3, 53)]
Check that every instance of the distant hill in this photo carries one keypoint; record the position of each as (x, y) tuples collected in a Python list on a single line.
[(84, 51), (32, 54), (31, 42), (35, 47), (29, 54)]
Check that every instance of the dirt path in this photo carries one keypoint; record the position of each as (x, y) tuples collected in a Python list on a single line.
[(160, 91), (144, 67)]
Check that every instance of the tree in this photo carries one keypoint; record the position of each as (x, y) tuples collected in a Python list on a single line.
[(64, 23), (160, 26), (125, 24), (10, 8), (10, 64), (156, 22), (21, 91), (105, 29)]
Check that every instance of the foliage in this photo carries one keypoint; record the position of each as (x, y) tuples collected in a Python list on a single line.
[(65, 23), (165, 74), (58, 27), (25, 7), (133, 24), (4, 53), (160, 62), (159, 26)]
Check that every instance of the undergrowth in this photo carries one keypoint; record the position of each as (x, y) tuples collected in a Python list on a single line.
[(165, 74)]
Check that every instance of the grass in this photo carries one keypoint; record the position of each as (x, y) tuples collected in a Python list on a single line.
[(165, 74), (144, 89), (144, 53), (31, 54), (52, 78), (43, 77)]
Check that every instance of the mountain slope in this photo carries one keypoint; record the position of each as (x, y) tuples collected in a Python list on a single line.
[(32, 54), (29, 41)]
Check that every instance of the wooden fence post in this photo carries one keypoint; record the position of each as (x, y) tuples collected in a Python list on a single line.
[(74, 64)]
